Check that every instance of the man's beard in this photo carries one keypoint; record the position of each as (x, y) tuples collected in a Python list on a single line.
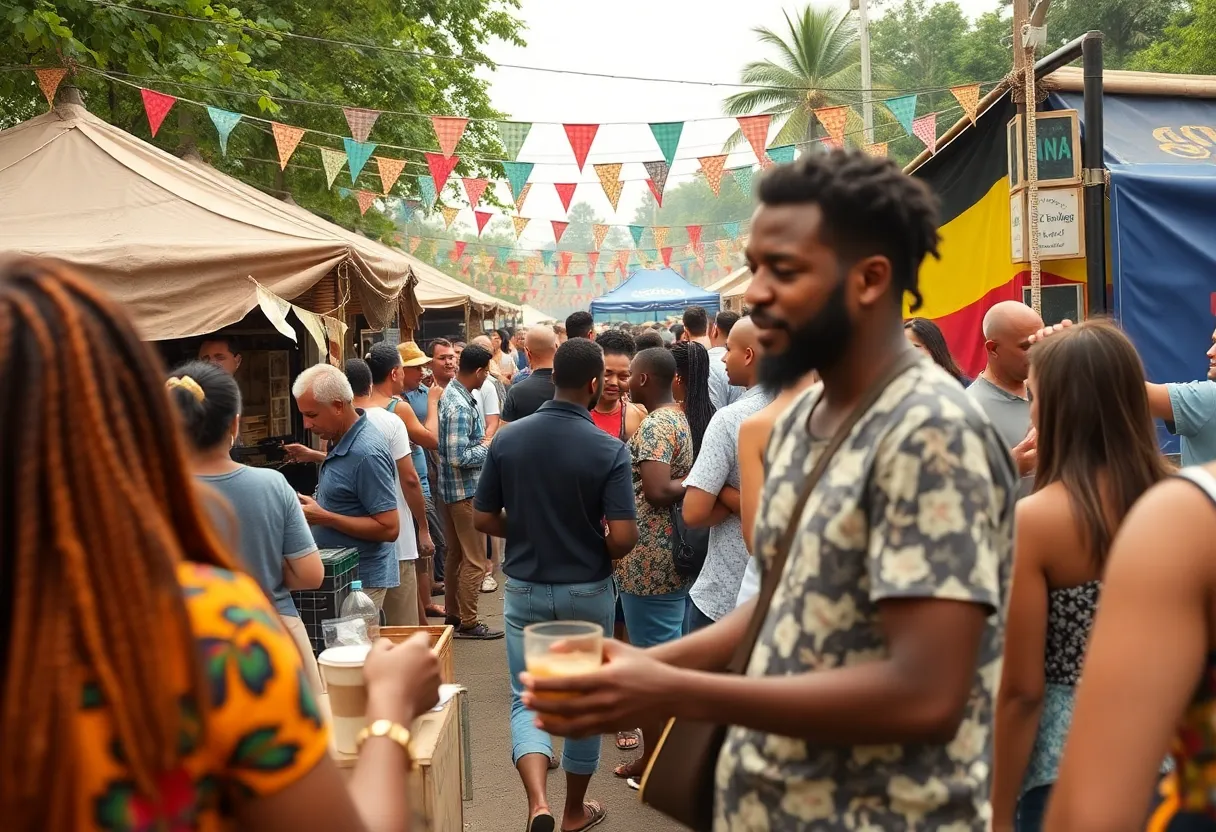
[(596, 398), (816, 345)]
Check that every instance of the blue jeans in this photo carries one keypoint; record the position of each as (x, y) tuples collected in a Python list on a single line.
[(1032, 806), (694, 619), (654, 619), (529, 603)]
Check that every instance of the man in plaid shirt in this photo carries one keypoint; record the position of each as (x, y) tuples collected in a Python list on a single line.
[(462, 451)]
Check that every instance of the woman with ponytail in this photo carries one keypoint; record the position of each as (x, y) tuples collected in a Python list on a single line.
[(147, 683), (691, 387)]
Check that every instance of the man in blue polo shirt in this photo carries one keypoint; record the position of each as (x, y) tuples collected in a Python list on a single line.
[(559, 478), (356, 500)]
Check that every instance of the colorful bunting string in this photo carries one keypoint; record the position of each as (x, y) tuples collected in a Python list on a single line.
[(925, 129), (903, 107), (712, 167), (513, 134), (968, 97), (833, 120), (225, 122), (667, 136), (360, 121), (474, 188), (286, 140), (448, 130), (581, 136), (755, 130), (49, 81), (156, 106), (441, 168), (390, 170)]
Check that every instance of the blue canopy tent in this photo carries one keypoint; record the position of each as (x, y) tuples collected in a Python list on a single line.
[(1162, 198), (652, 294)]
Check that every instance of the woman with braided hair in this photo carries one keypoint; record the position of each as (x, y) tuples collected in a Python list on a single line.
[(691, 387), (147, 684)]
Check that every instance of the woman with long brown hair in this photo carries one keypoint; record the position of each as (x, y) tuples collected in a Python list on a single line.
[(1097, 455), (147, 684)]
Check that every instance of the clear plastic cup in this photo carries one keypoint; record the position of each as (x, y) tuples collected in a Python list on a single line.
[(563, 648)]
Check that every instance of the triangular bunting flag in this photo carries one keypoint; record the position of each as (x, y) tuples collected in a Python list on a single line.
[(712, 167), (666, 252), (559, 228), (517, 175), (482, 218), (658, 192), (658, 173), (581, 136), (699, 252), (474, 188), (546, 256), (565, 192), (390, 170), (449, 214), (457, 250), (833, 120), (578, 280), (448, 131), (503, 253), (157, 106), (877, 149), (357, 153), (414, 243), (563, 262), (366, 198), (286, 140), (344, 192), (360, 121), (332, 161), (968, 97), (925, 129), (635, 231), (731, 229), (660, 235), (904, 109), (520, 224), (593, 259), (667, 135), (49, 80), (610, 181), (622, 260), (441, 168), (755, 130), (513, 266), (513, 134), (598, 233), (782, 155), (723, 248), (694, 234), (519, 200), (224, 122), (486, 261), (743, 178), (406, 209), (426, 185)]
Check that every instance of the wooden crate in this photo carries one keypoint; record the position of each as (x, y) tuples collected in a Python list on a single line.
[(441, 642), (436, 785)]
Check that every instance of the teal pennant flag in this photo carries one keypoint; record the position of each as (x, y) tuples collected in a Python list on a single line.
[(782, 155), (517, 175), (427, 186), (358, 153), (224, 122), (731, 229), (667, 134), (904, 110), (743, 178), (636, 232)]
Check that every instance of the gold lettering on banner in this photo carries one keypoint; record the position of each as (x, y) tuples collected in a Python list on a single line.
[(1190, 142)]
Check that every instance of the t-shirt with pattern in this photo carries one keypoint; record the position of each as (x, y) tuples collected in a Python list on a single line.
[(259, 732), (663, 436), (917, 503)]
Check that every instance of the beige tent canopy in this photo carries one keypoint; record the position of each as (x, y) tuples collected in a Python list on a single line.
[(176, 244), (732, 280), (437, 290)]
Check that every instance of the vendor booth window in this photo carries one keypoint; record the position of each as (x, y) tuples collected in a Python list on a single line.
[(1065, 300)]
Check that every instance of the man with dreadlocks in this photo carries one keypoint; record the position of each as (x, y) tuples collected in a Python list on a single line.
[(867, 701)]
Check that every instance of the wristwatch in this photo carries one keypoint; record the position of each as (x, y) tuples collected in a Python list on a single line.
[(395, 731)]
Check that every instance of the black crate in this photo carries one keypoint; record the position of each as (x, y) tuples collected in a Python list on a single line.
[(324, 602)]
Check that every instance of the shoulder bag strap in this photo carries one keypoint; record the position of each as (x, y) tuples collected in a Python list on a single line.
[(772, 574)]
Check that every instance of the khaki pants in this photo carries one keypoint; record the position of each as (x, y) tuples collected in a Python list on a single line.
[(465, 563), (401, 602), (295, 629), (377, 595)]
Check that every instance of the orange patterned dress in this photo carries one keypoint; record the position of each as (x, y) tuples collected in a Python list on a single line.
[(260, 732), (1187, 796)]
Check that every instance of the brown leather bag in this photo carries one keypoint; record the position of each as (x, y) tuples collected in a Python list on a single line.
[(679, 781)]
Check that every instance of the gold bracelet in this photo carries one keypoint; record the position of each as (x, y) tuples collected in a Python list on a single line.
[(394, 731)]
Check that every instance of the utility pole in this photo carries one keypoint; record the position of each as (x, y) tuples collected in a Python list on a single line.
[(867, 94)]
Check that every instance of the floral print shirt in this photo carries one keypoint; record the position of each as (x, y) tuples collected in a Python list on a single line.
[(663, 436), (260, 732), (917, 503)]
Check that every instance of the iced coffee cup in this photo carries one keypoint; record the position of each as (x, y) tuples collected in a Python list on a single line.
[(563, 648), (342, 670)]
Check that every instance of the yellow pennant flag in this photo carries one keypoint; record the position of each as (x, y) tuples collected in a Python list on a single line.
[(877, 149), (523, 194), (286, 139), (660, 236), (610, 180), (599, 232), (449, 214), (968, 97), (390, 170), (520, 224)]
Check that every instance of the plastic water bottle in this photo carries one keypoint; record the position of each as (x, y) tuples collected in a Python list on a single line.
[(360, 604)]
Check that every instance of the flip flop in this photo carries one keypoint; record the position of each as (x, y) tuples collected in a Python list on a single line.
[(435, 611), (543, 822), (628, 740), (597, 812), (627, 770)]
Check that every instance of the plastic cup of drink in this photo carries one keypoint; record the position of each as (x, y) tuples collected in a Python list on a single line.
[(563, 648), (342, 670)]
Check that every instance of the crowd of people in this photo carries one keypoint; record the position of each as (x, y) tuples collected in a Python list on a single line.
[(918, 555)]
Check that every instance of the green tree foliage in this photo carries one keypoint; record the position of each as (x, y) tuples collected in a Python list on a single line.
[(1127, 26), (1187, 45)]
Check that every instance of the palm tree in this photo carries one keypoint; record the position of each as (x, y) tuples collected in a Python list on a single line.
[(818, 64)]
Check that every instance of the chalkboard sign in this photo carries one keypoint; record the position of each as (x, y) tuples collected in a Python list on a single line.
[(1059, 149)]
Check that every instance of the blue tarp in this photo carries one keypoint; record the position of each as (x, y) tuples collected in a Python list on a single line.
[(1162, 158), (652, 294)]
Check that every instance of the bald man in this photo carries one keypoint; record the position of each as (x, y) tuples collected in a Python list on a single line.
[(525, 397), (1000, 390), (712, 489)]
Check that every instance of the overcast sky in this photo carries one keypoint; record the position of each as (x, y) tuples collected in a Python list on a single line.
[(697, 40)]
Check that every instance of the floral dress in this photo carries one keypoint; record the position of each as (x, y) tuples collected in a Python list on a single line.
[(663, 436), (1186, 800), (259, 732)]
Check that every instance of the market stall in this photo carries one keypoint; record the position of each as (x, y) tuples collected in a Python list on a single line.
[(651, 294)]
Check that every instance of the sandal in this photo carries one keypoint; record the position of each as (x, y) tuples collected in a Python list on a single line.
[(435, 611), (627, 770), (596, 814), (628, 740), (544, 822)]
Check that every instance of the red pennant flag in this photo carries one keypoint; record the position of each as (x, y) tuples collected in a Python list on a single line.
[(441, 168), (475, 188), (559, 228), (666, 252), (658, 195), (593, 258), (157, 106), (755, 130), (578, 279), (366, 198), (48, 82), (565, 192), (694, 234), (513, 265), (482, 217), (448, 131), (564, 258), (457, 250), (581, 136)]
